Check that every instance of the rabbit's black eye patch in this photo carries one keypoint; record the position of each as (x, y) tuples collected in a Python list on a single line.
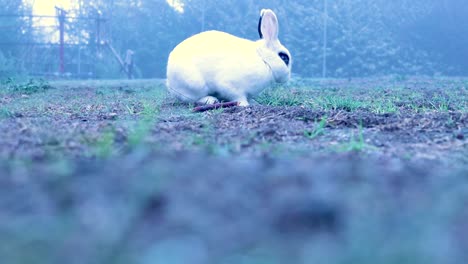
[(260, 27), (284, 57)]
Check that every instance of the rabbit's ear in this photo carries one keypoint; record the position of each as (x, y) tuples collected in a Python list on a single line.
[(268, 25)]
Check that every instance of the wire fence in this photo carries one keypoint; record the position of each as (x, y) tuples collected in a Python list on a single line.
[(53, 48)]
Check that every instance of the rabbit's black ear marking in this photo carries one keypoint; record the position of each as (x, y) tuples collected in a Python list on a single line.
[(260, 27), (284, 57)]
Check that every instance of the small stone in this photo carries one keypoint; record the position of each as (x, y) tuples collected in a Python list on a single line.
[(112, 116), (73, 144)]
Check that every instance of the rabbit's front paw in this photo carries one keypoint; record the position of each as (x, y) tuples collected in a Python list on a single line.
[(207, 100)]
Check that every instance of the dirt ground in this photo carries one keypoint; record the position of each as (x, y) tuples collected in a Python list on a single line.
[(319, 172)]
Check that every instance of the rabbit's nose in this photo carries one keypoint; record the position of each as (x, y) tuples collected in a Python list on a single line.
[(284, 57)]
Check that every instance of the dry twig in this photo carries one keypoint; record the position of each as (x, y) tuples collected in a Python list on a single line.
[(209, 107)]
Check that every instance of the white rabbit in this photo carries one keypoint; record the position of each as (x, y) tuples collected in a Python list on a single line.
[(215, 65)]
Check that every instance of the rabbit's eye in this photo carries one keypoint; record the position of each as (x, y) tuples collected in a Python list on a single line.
[(284, 57)]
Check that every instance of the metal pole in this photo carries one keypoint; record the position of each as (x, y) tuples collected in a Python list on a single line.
[(62, 52), (61, 18), (79, 60), (98, 32), (325, 33), (203, 16), (79, 41)]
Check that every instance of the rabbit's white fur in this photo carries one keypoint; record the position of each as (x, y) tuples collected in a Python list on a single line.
[(214, 65)]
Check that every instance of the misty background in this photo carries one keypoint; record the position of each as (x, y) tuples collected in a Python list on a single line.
[(334, 38)]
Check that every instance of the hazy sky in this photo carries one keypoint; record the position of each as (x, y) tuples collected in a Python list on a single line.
[(46, 7)]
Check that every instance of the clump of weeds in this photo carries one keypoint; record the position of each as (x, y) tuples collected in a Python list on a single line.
[(355, 144), (318, 130), (30, 87)]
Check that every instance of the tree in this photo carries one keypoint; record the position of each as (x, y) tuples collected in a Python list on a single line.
[(150, 28), (14, 29), (364, 37)]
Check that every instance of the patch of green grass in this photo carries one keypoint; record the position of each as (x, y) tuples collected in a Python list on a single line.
[(281, 97), (104, 145), (138, 133), (384, 107), (131, 110), (400, 78), (151, 111), (5, 113), (380, 99), (101, 92), (318, 130), (203, 136), (198, 140), (148, 117), (339, 102), (440, 103)]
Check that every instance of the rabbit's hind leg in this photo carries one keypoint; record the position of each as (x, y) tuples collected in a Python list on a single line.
[(187, 87), (242, 100)]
